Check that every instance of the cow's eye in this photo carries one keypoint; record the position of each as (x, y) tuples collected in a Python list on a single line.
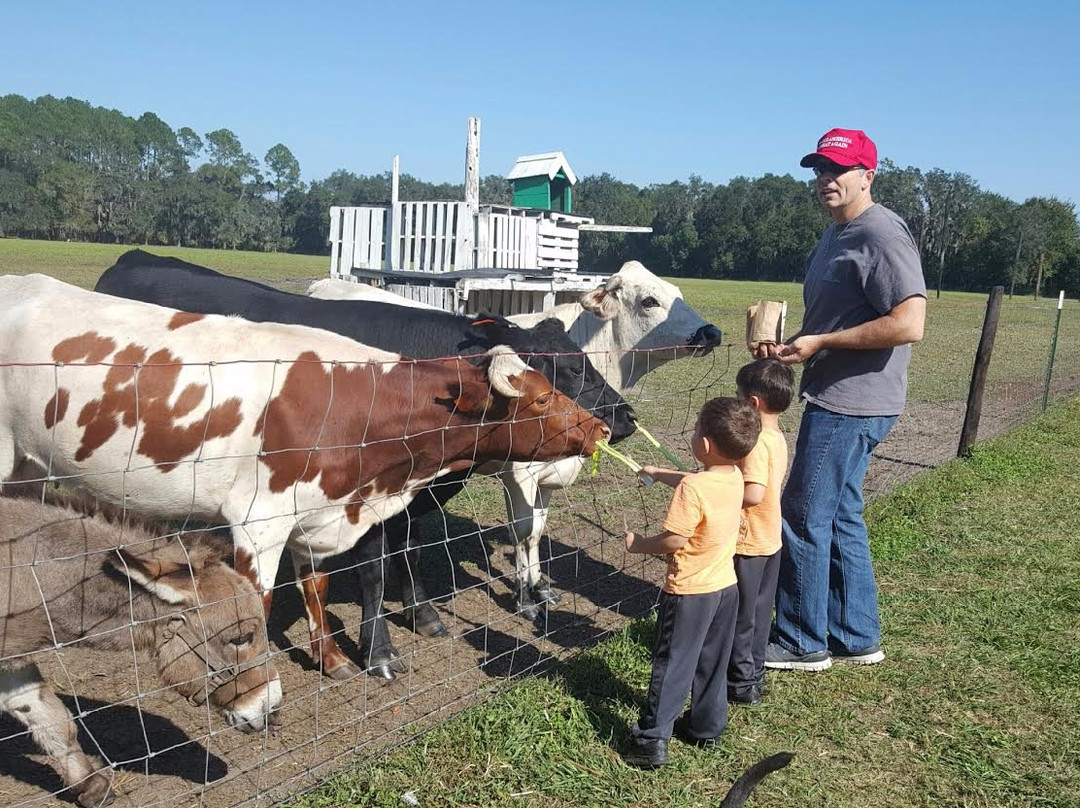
[(544, 400), (243, 639), (650, 303)]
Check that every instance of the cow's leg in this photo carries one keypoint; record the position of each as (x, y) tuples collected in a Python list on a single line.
[(541, 589), (521, 490), (379, 655), (314, 585), (405, 562), (405, 558), (24, 695), (256, 555), (7, 456)]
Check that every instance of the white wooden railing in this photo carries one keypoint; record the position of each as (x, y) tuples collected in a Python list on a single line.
[(442, 236)]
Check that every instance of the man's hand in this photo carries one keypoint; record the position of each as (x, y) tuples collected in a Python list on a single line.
[(800, 349), (628, 539), (763, 350)]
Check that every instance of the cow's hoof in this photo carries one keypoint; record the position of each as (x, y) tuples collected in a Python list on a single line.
[(346, 670), (426, 621), (545, 594), (386, 666), (382, 671), (531, 611), (96, 791), (432, 629)]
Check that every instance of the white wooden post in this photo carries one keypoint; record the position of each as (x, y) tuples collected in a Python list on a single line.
[(393, 225), (472, 166), (467, 226)]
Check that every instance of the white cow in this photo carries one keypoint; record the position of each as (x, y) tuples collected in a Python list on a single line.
[(629, 326), (337, 289)]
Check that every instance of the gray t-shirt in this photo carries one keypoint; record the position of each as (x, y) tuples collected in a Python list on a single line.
[(858, 272)]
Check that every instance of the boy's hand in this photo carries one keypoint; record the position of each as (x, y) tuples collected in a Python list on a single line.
[(628, 539)]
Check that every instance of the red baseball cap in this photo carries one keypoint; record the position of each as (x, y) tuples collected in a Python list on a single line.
[(845, 147)]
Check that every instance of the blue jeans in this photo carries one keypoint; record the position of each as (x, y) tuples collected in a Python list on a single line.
[(826, 596)]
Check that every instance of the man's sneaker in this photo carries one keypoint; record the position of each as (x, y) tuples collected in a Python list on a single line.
[(868, 656), (779, 658)]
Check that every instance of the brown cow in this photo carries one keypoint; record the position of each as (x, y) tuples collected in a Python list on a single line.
[(68, 578), (296, 437)]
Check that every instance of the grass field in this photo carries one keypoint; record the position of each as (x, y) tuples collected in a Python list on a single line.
[(978, 704)]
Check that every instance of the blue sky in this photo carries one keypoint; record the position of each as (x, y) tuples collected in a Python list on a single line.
[(648, 91)]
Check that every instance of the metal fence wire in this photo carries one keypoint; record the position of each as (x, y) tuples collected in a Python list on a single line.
[(160, 748)]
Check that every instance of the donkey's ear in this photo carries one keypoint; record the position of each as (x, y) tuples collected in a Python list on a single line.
[(171, 581)]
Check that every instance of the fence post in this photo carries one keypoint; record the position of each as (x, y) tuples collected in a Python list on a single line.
[(1053, 350), (978, 373)]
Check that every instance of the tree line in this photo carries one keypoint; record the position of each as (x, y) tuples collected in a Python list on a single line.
[(70, 170)]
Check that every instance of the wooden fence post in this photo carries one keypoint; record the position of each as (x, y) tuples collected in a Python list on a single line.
[(978, 373)]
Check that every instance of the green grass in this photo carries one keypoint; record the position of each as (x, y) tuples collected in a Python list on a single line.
[(978, 704), (82, 264)]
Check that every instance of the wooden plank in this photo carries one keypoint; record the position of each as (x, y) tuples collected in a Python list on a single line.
[(613, 228), (335, 240), (347, 239), (448, 234), (393, 225), (437, 238), (447, 237), (465, 243), (483, 239)]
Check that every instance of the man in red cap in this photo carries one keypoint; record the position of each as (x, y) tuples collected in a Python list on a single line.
[(865, 300)]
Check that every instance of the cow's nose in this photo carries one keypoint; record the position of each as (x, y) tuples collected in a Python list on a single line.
[(605, 430), (708, 335)]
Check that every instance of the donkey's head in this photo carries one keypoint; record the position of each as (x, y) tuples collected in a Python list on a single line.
[(210, 640)]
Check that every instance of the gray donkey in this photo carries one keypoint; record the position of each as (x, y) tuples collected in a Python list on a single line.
[(67, 577)]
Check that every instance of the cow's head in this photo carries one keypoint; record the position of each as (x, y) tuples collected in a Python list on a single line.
[(547, 349), (647, 313), (535, 421), (211, 638)]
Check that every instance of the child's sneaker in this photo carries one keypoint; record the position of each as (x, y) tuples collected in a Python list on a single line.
[(868, 656), (779, 658), (751, 694)]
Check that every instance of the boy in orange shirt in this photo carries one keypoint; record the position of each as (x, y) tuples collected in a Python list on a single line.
[(695, 617), (769, 385)]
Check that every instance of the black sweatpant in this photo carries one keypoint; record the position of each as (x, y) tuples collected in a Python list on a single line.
[(757, 591), (690, 656)]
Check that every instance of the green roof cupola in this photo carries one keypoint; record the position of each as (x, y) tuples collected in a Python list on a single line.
[(543, 181)]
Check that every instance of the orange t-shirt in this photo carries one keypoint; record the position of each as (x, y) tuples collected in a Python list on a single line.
[(705, 508), (762, 524)]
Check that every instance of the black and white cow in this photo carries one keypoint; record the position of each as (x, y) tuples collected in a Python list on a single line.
[(631, 325), (170, 282)]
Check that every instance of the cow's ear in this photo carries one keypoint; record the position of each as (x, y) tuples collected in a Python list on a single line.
[(171, 581), (603, 301), (472, 398)]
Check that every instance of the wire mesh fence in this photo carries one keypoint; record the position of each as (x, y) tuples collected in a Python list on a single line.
[(161, 734)]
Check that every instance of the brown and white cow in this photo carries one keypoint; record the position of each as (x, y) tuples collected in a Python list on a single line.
[(68, 578), (296, 437)]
